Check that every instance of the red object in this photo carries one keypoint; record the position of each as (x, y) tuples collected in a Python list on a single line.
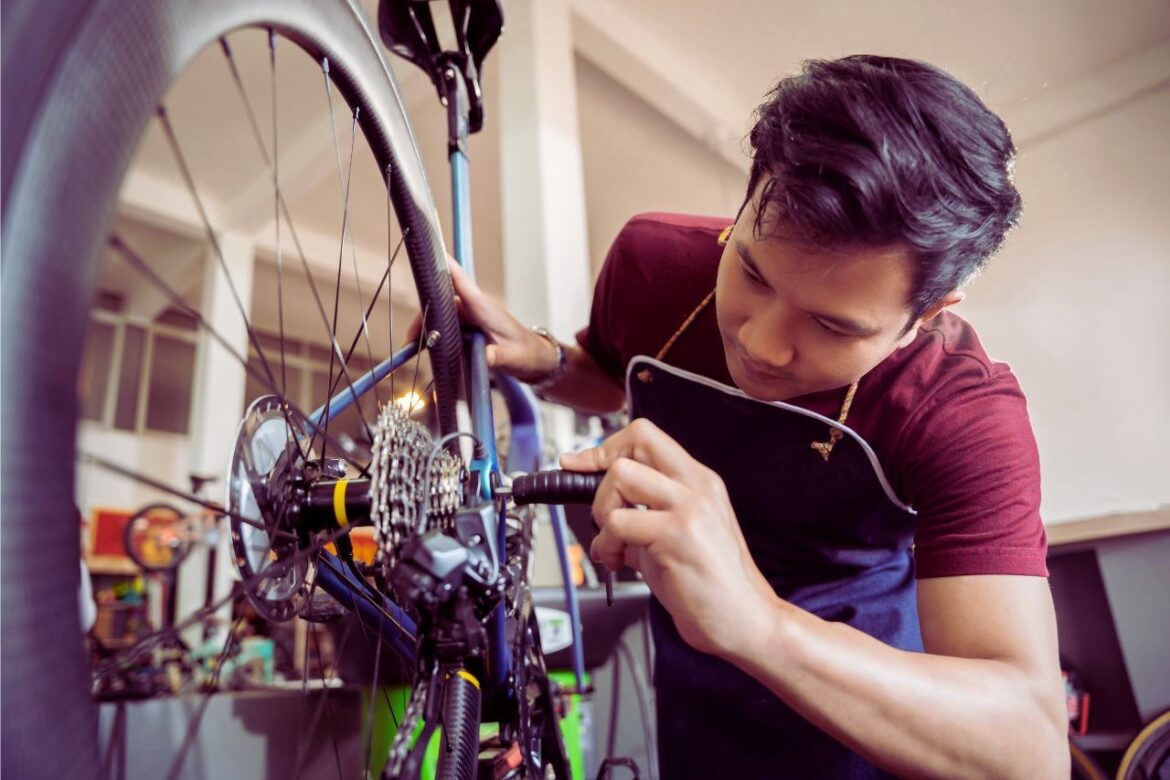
[(1077, 700), (108, 525), (949, 424)]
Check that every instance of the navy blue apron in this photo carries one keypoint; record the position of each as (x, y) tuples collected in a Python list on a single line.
[(828, 534)]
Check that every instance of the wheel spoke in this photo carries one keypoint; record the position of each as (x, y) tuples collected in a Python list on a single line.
[(344, 182), (276, 228), (284, 212), (374, 686), (149, 641), (390, 264), (185, 171), (136, 261), (193, 726), (162, 486), (386, 276), (347, 233), (422, 339), (306, 742)]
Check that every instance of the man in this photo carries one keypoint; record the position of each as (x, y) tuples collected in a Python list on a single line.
[(831, 490)]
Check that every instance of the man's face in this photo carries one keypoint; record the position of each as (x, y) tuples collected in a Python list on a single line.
[(796, 319)]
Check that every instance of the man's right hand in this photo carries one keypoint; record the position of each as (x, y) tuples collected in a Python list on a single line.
[(511, 346), (527, 355)]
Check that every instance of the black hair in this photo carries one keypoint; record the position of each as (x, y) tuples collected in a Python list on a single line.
[(871, 151)]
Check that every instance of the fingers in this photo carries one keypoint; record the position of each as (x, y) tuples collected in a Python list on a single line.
[(628, 482), (416, 325), (641, 441), (626, 528), (463, 284)]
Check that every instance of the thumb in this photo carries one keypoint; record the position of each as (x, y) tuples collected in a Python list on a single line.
[(413, 331)]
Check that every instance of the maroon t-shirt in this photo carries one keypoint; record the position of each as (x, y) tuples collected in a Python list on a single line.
[(948, 424)]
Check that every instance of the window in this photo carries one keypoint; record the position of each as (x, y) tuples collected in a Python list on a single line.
[(138, 377), (95, 369), (129, 377), (168, 404)]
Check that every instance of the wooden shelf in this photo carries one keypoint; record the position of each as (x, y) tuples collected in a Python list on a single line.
[(111, 564), (1107, 526), (118, 606)]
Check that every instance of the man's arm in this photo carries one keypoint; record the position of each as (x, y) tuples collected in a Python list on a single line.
[(984, 700), (584, 385)]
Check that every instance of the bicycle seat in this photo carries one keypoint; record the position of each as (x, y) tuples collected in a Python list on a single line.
[(407, 28)]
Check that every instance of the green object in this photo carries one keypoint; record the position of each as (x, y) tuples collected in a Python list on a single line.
[(389, 707), (390, 704), (572, 727)]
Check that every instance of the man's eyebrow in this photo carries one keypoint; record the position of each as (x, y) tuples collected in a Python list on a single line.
[(742, 249), (851, 327), (844, 324)]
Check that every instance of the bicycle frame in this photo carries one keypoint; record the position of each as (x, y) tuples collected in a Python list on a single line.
[(390, 622)]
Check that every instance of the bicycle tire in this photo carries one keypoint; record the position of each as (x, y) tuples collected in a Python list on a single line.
[(132, 548), (106, 65), (1148, 755), (1083, 765)]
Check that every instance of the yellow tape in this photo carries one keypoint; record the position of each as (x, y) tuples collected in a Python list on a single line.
[(466, 675), (339, 502)]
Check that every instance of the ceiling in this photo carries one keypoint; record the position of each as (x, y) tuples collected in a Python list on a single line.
[(1013, 53), (1010, 51)]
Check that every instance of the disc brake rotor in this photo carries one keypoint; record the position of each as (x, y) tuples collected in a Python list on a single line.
[(266, 458)]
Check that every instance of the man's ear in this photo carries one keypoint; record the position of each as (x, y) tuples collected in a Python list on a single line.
[(950, 299)]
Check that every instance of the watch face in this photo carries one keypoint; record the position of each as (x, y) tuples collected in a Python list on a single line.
[(558, 370)]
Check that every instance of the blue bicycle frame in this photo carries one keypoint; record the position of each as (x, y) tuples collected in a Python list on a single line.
[(390, 623)]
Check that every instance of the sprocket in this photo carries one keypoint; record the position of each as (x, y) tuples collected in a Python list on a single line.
[(399, 485), (266, 457)]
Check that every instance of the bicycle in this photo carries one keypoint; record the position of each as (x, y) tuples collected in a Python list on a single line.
[(82, 81), (159, 537)]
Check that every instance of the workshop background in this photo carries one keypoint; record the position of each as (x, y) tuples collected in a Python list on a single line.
[(599, 109)]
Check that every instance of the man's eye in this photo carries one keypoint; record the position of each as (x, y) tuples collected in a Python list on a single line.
[(828, 329), (749, 273)]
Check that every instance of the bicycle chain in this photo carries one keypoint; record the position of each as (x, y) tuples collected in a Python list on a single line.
[(401, 744), (401, 449)]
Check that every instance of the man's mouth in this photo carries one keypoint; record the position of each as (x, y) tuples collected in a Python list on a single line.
[(762, 373)]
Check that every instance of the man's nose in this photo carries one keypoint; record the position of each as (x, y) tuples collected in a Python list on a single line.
[(767, 342)]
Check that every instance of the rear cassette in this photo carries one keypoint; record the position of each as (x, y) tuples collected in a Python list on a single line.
[(399, 483)]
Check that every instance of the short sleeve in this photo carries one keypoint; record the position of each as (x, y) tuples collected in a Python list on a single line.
[(972, 472), (598, 338)]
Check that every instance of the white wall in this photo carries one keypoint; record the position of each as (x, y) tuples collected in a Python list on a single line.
[(1077, 304), (638, 160), (164, 456)]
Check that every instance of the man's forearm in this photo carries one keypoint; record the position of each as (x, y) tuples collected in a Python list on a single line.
[(915, 714), (584, 386)]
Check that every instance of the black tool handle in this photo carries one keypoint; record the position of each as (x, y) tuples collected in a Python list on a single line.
[(556, 487)]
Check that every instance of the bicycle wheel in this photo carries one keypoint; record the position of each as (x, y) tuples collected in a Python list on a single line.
[(1083, 765), (155, 538), (82, 80), (1148, 756)]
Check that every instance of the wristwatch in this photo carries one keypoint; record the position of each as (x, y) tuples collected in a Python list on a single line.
[(558, 371)]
